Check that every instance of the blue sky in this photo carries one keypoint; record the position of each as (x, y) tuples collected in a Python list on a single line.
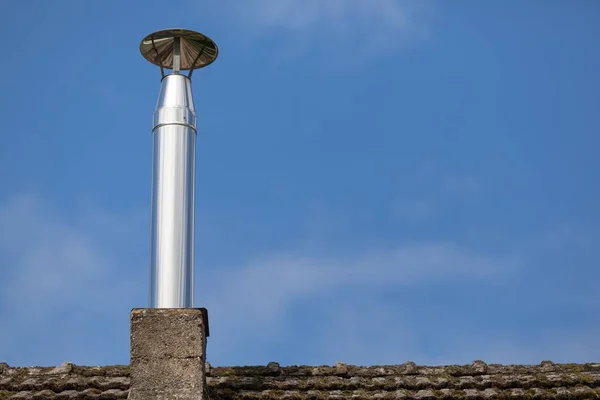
[(377, 181)]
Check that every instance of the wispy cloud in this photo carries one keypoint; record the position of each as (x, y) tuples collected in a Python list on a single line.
[(62, 279), (351, 29), (415, 209), (338, 14), (425, 193), (68, 281), (256, 299), (433, 303)]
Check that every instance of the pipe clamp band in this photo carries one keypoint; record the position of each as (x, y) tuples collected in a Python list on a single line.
[(174, 116)]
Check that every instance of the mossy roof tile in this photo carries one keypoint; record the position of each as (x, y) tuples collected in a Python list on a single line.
[(404, 381)]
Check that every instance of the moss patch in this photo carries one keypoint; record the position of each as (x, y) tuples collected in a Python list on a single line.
[(5, 394)]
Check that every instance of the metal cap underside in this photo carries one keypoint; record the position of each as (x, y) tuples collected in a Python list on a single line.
[(195, 49)]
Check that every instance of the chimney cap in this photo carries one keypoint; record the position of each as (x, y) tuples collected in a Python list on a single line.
[(196, 50)]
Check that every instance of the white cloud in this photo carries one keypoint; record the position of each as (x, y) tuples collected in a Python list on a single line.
[(373, 332), (353, 310), (350, 29), (60, 274), (68, 281), (251, 303), (415, 209), (339, 14), (429, 189)]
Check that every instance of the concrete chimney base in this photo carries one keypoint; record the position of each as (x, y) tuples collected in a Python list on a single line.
[(168, 353)]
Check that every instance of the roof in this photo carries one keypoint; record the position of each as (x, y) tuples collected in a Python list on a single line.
[(405, 381)]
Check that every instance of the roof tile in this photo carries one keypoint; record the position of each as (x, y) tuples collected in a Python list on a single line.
[(405, 381)]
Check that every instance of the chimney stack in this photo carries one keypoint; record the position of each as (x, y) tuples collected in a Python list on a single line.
[(168, 354), (168, 340)]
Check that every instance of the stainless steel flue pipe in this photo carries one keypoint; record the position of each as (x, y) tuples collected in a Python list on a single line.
[(173, 165), (173, 179)]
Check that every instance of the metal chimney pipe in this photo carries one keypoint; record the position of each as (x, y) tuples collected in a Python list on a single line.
[(173, 165)]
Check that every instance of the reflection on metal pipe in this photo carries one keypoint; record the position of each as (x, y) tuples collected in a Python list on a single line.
[(172, 243), (173, 165)]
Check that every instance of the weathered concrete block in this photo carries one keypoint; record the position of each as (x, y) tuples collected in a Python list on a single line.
[(168, 353)]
